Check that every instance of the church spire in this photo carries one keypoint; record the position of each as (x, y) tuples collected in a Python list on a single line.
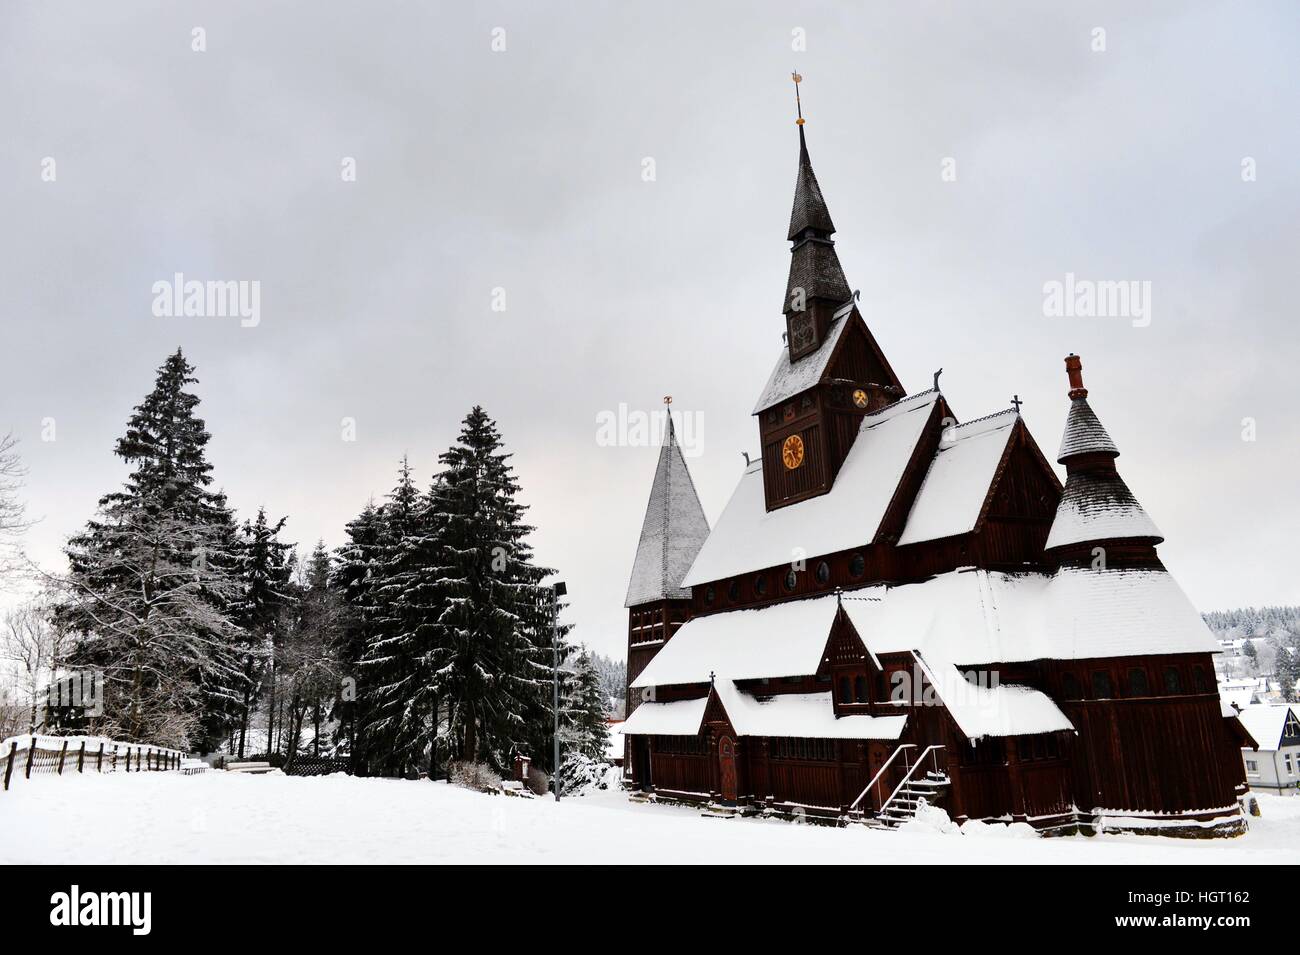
[(817, 286), (673, 531), (1096, 507)]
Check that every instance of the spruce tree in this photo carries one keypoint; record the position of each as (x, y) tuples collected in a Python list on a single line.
[(351, 580), (488, 648), (264, 570), (153, 584), (386, 680), (586, 709)]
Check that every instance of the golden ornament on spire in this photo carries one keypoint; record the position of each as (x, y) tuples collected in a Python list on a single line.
[(798, 105)]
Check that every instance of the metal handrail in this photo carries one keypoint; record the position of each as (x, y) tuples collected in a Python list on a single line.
[(907, 777), (875, 779)]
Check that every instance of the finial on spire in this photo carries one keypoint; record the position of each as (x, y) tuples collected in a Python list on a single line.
[(668, 399), (936, 379), (1016, 402), (1074, 368), (797, 104)]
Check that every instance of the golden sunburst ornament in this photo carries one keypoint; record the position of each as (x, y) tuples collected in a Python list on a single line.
[(792, 452), (860, 398)]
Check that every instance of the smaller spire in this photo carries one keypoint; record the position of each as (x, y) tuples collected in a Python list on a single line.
[(1084, 433), (809, 212)]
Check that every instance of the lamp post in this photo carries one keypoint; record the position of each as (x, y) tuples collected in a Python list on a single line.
[(558, 590)]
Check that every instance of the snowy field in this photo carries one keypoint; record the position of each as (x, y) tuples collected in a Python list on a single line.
[(229, 818)]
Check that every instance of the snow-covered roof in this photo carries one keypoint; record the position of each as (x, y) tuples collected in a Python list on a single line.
[(804, 715), (678, 718), (975, 617), (673, 531), (958, 481), (1003, 710), (789, 378), (1098, 506), (1265, 721), (784, 639), (1084, 433), (748, 537)]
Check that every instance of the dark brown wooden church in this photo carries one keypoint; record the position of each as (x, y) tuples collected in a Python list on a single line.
[(898, 609)]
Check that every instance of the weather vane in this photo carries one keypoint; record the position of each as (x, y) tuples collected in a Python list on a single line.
[(797, 104)]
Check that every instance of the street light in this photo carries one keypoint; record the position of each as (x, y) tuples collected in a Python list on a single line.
[(558, 590)]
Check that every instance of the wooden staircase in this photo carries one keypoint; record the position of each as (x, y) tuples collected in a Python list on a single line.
[(914, 792), (924, 782)]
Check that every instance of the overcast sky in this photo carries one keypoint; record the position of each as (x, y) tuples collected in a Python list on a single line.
[(523, 170)]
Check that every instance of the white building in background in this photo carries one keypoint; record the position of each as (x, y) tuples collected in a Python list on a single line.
[(1275, 766)]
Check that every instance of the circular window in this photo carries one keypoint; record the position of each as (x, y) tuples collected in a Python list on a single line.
[(733, 591), (760, 585), (857, 565), (823, 572), (708, 594), (791, 579)]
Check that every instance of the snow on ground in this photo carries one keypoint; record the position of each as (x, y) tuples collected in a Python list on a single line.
[(233, 818)]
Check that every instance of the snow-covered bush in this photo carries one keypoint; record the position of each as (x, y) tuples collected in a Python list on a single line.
[(479, 776), (581, 774)]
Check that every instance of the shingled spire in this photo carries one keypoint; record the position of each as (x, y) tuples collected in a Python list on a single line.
[(672, 533), (816, 287), (1097, 507)]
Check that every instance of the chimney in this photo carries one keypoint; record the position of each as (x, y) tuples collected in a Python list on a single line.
[(1074, 367)]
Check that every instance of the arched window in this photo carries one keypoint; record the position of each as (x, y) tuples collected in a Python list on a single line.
[(1070, 686), (791, 580), (823, 572), (859, 689), (1173, 683), (708, 595), (760, 585), (1137, 682), (733, 591), (1101, 688), (1199, 683), (845, 690)]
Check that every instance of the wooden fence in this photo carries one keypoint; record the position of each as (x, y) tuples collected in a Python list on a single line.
[(54, 755)]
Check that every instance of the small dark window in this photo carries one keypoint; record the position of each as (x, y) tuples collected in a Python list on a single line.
[(1070, 686), (1198, 680), (733, 591), (859, 689), (791, 580), (845, 690), (882, 687), (823, 678), (709, 594), (1173, 683), (1137, 682), (823, 572), (760, 585), (1101, 688), (857, 565)]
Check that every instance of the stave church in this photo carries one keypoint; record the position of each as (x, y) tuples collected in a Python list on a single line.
[(900, 609)]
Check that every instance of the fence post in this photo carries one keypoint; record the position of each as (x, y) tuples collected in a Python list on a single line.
[(63, 751), (128, 757), (99, 762), (9, 763), (31, 751), (81, 757)]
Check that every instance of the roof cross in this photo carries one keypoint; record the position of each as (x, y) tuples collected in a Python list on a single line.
[(1015, 400)]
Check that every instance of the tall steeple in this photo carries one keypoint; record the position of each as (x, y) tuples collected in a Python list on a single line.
[(816, 287), (672, 533), (1097, 509)]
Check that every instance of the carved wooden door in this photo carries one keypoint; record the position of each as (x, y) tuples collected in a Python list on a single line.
[(727, 768)]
